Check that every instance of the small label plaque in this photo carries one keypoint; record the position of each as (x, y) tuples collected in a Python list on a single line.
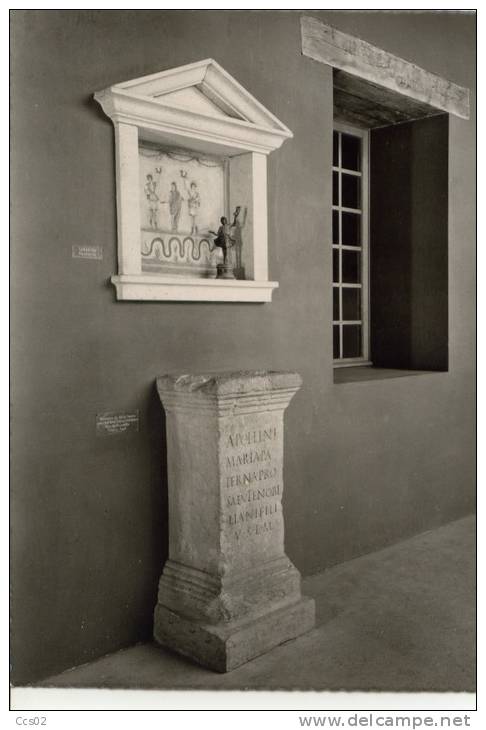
[(112, 423), (88, 252)]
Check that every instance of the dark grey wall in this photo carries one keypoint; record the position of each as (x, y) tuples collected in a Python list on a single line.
[(409, 248), (366, 464)]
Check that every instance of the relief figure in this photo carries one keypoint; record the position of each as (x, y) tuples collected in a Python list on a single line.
[(193, 201), (175, 206), (153, 200)]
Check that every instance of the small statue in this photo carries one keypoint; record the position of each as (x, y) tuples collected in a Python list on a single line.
[(238, 225), (225, 241)]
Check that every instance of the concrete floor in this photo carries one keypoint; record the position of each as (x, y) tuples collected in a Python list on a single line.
[(398, 619)]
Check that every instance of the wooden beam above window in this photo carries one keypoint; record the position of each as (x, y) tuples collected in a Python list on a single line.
[(360, 59), (371, 106)]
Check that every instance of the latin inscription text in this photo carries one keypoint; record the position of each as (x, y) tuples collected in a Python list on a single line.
[(252, 437), (257, 497)]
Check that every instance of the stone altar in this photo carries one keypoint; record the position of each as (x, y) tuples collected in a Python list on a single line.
[(228, 592)]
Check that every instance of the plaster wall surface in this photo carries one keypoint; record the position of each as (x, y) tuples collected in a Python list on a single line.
[(366, 464)]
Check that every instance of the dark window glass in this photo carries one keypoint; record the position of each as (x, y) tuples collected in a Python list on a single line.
[(335, 226), (335, 266), (351, 303), (351, 233), (351, 340), (335, 343), (350, 191), (335, 188), (335, 303), (335, 149), (351, 264), (350, 152)]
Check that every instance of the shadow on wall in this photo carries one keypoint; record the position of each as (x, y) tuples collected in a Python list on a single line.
[(158, 540)]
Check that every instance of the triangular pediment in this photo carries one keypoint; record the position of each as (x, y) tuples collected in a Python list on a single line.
[(194, 100), (203, 88)]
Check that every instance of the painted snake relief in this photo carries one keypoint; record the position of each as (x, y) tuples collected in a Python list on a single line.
[(171, 247)]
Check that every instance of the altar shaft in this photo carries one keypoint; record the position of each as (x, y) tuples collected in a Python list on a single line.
[(228, 592)]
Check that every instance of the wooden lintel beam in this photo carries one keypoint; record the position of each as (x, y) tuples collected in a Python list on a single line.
[(328, 45)]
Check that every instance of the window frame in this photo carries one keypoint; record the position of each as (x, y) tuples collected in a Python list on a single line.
[(363, 133)]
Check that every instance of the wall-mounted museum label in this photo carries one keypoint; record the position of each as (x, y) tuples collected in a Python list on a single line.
[(112, 423), (88, 252)]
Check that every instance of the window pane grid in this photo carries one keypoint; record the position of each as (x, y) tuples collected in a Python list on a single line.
[(346, 248), (347, 210), (345, 170), (347, 321), (340, 327), (347, 286), (348, 243)]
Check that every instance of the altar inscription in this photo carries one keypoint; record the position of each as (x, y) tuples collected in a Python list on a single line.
[(252, 489)]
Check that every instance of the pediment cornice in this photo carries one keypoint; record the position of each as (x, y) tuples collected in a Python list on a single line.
[(200, 101)]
